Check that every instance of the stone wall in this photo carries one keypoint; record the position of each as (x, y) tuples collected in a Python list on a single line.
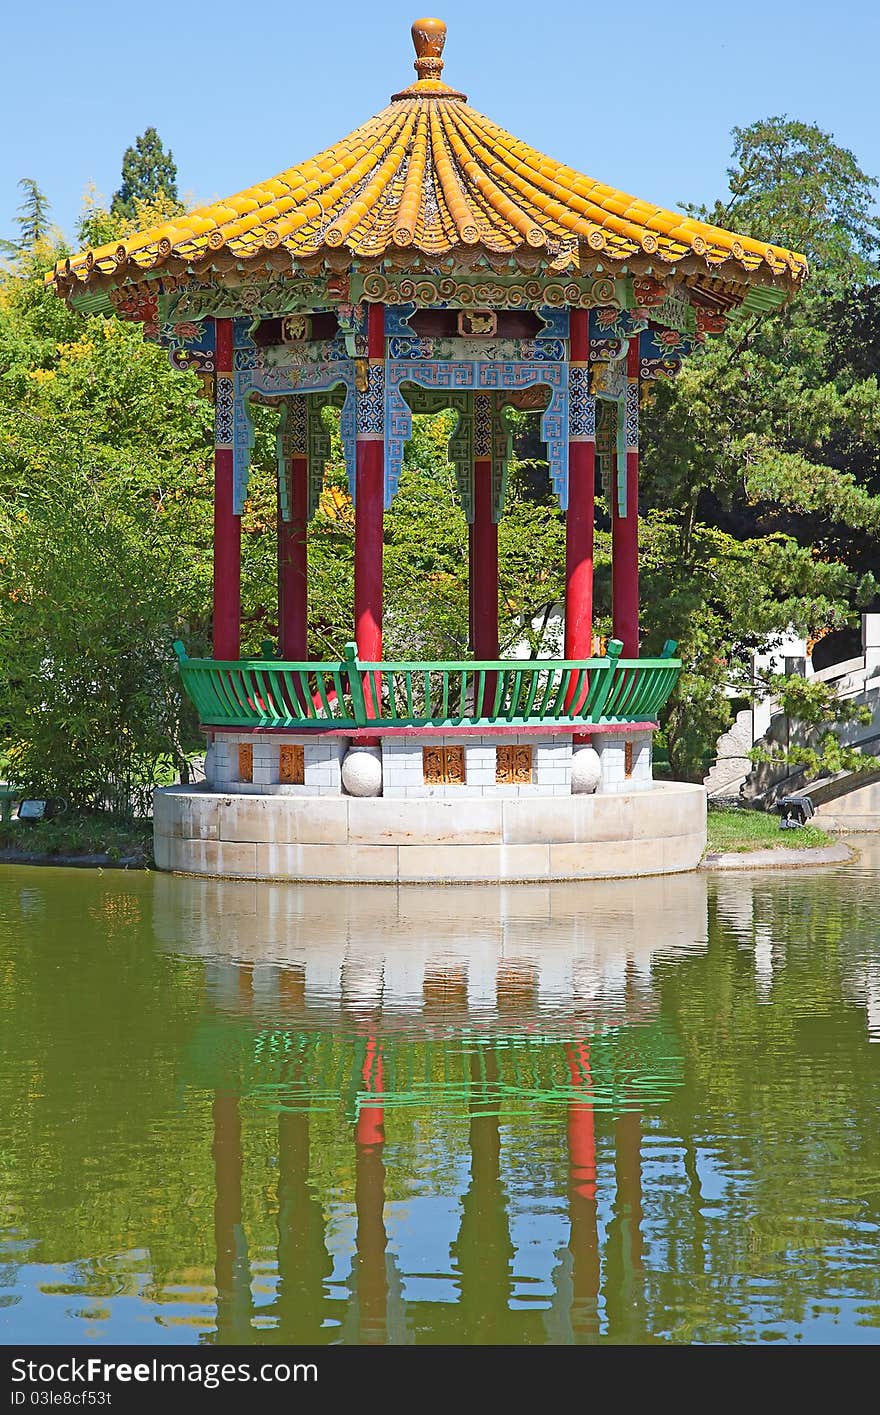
[(346, 839), (402, 765), (322, 759)]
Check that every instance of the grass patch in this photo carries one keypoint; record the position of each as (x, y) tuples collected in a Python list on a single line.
[(758, 830), (74, 836)]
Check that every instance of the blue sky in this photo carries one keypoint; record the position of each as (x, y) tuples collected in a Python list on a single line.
[(639, 95)]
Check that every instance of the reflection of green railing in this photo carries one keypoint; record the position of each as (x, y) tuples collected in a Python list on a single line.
[(322, 1069), (269, 693)]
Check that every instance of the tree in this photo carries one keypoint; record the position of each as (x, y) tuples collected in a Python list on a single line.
[(32, 220), (792, 184), (148, 171), (760, 462)]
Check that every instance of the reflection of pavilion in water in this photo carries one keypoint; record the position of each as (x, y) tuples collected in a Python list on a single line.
[(371, 1000)]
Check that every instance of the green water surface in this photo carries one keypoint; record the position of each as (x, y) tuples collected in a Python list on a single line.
[(623, 1112)]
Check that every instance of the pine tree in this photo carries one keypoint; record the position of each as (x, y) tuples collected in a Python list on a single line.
[(147, 172), (32, 219)]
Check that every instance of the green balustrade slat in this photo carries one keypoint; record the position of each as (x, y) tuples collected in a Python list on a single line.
[(600, 686), (341, 710), (530, 698), (388, 681), (514, 696), (283, 700), (231, 683), (203, 692), (648, 691), (272, 707), (545, 696), (559, 699), (322, 694), (230, 705), (500, 690), (272, 693)]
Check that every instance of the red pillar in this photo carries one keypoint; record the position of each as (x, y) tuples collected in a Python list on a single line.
[(227, 526), (369, 515), (470, 587), (625, 534), (484, 564), (579, 523), (293, 596), (484, 575)]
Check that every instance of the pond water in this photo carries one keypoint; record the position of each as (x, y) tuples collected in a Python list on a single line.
[(621, 1112)]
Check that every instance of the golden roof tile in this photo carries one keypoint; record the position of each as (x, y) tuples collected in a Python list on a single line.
[(429, 176)]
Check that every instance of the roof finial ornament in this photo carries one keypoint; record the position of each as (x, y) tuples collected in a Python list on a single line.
[(429, 37)]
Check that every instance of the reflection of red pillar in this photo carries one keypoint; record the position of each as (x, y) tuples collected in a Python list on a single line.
[(624, 1294), (628, 1145), (483, 1252), (293, 596), (369, 1195), (625, 536), (227, 526), (231, 1271), (303, 1262), (583, 1213)]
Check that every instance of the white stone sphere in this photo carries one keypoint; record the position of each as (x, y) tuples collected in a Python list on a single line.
[(362, 771), (586, 770)]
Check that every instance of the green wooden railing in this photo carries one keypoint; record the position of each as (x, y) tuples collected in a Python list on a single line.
[(519, 692)]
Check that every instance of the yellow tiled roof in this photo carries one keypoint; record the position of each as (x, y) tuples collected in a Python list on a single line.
[(430, 177)]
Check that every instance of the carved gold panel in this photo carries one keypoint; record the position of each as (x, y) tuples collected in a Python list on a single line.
[(245, 762), (513, 766), (291, 765), (443, 766)]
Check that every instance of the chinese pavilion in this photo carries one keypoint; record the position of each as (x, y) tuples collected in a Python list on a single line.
[(429, 261)]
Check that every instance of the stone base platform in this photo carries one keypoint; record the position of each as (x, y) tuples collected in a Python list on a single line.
[(343, 839)]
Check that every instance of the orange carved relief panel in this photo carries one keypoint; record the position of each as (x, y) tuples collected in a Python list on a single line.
[(513, 766), (291, 765)]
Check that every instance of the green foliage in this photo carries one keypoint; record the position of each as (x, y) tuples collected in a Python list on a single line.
[(75, 835), (89, 599), (148, 171), (814, 703), (105, 525), (812, 709)]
